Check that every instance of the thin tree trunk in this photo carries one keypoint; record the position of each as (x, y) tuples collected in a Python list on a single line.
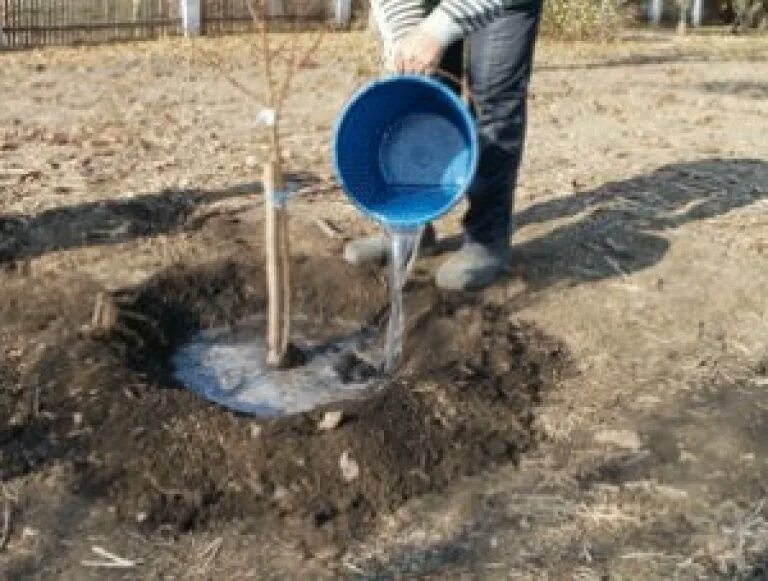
[(278, 265)]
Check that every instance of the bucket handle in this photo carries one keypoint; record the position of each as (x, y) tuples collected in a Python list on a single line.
[(466, 93)]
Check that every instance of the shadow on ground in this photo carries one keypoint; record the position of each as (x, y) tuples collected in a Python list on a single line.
[(750, 89), (635, 60), (618, 228), (112, 221)]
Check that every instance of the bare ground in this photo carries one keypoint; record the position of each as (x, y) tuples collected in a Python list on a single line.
[(641, 247)]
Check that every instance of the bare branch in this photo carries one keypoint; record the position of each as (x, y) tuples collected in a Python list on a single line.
[(290, 69), (262, 24), (218, 65), (279, 50), (319, 36), (297, 60), (267, 56)]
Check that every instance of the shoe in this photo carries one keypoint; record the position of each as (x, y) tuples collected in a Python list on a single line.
[(375, 249), (474, 266)]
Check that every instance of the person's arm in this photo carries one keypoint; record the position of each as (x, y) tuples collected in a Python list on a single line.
[(396, 18), (417, 40), (452, 20)]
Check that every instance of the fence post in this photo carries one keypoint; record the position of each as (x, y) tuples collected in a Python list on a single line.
[(655, 10), (696, 14), (191, 17), (342, 12)]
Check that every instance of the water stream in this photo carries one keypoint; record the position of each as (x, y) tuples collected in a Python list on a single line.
[(403, 250)]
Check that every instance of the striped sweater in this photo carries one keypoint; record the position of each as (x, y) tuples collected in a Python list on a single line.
[(446, 20)]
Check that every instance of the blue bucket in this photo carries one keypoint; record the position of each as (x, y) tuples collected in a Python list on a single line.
[(405, 150)]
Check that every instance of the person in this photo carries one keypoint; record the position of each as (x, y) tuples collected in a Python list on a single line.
[(422, 38)]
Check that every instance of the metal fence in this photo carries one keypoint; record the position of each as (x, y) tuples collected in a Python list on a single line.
[(33, 23)]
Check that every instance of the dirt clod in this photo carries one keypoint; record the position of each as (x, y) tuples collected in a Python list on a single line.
[(349, 467), (351, 368), (330, 420)]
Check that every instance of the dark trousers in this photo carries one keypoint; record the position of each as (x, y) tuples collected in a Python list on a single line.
[(500, 62)]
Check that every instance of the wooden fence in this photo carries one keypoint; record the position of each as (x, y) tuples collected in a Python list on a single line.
[(34, 23)]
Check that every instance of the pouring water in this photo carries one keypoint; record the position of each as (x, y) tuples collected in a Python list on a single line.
[(405, 151), (404, 246)]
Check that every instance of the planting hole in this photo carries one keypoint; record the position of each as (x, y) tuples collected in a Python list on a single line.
[(226, 365)]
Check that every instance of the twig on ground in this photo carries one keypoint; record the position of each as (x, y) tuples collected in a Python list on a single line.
[(354, 568), (110, 560), (211, 551), (615, 266), (5, 534), (35, 411), (328, 228), (316, 189), (105, 312)]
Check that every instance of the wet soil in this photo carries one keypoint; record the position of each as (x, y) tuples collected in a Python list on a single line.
[(463, 402)]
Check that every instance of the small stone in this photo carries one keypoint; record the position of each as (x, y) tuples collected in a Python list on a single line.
[(282, 497), (280, 492), (141, 517), (17, 419), (349, 468), (14, 352), (671, 492), (625, 439), (686, 456), (29, 532), (255, 431), (331, 420)]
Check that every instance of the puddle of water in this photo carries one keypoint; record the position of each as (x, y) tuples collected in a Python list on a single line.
[(227, 366), (403, 251)]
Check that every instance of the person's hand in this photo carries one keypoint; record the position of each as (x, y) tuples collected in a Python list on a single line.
[(418, 53)]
